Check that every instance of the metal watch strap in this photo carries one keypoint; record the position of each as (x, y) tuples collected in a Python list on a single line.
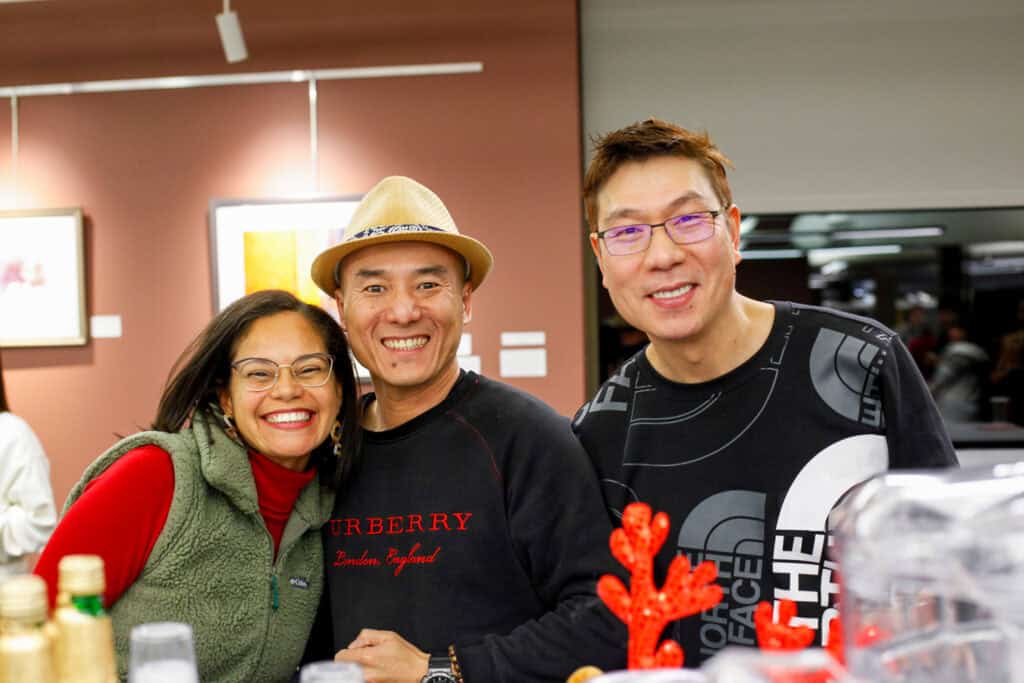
[(439, 668)]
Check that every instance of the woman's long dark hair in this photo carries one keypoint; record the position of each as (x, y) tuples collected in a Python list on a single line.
[(3, 395), (205, 367)]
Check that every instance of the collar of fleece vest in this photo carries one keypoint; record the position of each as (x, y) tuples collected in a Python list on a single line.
[(225, 466)]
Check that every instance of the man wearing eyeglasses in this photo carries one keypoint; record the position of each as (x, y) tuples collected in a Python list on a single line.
[(744, 420)]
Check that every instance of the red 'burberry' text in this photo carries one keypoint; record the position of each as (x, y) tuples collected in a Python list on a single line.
[(434, 522)]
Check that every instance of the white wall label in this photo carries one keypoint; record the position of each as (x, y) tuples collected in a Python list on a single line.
[(523, 362), (523, 339), (105, 326)]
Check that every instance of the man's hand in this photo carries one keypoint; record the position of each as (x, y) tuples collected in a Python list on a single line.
[(386, 657)]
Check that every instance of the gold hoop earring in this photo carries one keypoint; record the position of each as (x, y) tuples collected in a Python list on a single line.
[(336, 438)]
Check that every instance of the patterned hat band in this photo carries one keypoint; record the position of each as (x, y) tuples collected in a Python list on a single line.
[(379, 230), (392, 229)]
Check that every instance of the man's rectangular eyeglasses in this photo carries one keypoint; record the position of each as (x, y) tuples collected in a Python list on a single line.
[(260, 374), (685, 229)]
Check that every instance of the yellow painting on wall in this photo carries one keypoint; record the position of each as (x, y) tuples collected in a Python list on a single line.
[(281, 259), (261, 244)]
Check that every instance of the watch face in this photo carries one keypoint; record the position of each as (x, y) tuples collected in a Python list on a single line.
[(440, 677)]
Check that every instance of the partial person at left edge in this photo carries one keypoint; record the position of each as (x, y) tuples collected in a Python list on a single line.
[(213, 518), (27, 512)]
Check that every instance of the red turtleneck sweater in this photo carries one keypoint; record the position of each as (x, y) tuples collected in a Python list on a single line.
[(121, 513)]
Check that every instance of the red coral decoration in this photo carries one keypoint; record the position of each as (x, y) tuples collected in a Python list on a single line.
[(644, 609), (834, 646), (781, 636)]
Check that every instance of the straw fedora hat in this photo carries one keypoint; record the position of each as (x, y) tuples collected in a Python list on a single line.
[(399, 209)]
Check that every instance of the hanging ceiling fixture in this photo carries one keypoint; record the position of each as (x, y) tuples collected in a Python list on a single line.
[(231, 37)]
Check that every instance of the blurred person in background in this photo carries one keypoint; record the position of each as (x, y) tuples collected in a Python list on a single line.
[(213, 518), (919, 338), (947, 317), (27, 512), (1008, 374), (960, 380)]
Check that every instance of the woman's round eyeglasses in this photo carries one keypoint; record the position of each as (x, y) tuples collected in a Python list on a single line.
[(261, 374)]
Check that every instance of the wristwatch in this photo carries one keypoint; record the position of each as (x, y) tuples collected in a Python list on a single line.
[(439, 670)]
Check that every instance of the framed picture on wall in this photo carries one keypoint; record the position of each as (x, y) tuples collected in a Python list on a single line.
[(271, 243), (42, 278)]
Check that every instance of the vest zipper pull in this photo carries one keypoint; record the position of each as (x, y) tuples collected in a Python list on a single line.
[(274, 601)]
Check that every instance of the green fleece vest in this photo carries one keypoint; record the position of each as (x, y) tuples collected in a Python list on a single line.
[(213, 564)]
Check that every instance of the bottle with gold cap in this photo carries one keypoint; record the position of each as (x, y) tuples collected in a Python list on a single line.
[(25, 651), (84, 644)]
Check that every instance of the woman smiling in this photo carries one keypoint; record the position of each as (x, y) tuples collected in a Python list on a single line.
[(213, 517)]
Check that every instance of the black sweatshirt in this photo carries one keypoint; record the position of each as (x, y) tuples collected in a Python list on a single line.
[(749, 464), (479, 523)]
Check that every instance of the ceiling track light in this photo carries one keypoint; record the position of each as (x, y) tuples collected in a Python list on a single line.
[(249, 78), (231, 37)]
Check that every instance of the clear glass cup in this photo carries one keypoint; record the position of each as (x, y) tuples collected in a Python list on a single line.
[(162, 652), (331, 672)]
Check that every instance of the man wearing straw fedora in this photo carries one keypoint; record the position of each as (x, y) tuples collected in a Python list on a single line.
[(468, 543)]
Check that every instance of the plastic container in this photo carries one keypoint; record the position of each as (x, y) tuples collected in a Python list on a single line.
[(932, 572)]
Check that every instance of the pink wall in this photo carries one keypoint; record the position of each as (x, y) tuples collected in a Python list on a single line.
[(501, 147)]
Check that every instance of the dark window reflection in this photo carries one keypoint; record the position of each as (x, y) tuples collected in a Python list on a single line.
[(950, 282)]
